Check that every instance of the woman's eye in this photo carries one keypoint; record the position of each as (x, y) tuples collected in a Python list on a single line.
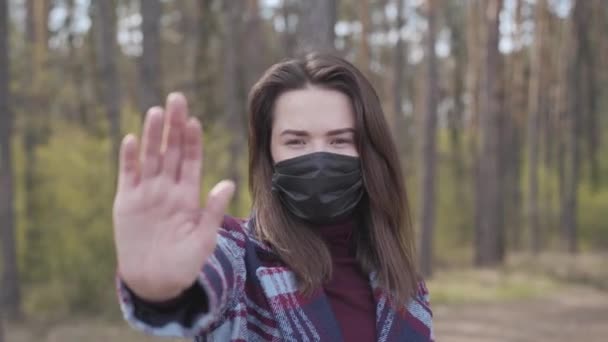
[(341, 141), (295, 142)]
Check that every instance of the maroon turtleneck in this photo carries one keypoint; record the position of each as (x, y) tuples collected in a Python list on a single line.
[(349, 290)]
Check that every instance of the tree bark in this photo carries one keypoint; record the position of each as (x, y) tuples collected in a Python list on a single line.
[(204, 74), (233, 94), (536, 103), (562, 108), (577, 109), (150, 71), (35, 127), (589, 39), (454, 17), (10, 301), (288, 36), (475, 68), (488, 250), (316, 23), (364, 51), (253, 42), (79, 111), (107, 69), (513, 134), (429, 152), (400, 64)]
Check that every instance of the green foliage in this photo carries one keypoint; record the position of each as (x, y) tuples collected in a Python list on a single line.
[(73, 251), (65, 244), (589, 268), (454, 228), (455, 198), (592, 217), (480, 286)]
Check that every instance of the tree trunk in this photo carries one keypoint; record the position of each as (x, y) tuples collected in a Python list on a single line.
[(577, 108), (364, 51), (429, 152), (35, 127), (488, 251), (233, 95), (502, 161), (536, 108), (454, 17), (107, 69), (253, 43), (563, 97), (10, 301), (204, 75), (150, 72), (79, 111), (316, 23), (475, 69), (188, 29), (399, 63), (513, 134), (288, 37), (592, 126)]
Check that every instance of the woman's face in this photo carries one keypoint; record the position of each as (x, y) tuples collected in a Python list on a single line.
[(312, 120)]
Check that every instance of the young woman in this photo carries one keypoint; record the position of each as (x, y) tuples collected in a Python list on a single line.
[(327, 253)]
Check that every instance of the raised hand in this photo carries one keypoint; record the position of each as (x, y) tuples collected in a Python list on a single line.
[(162, 235)]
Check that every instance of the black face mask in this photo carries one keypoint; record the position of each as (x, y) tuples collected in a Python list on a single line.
[(319, 187)]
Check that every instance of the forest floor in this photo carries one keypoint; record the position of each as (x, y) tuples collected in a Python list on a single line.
[(573, 313), (547, 297), (515, 304)]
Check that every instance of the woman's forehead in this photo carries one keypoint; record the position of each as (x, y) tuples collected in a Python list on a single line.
[(313, 109)]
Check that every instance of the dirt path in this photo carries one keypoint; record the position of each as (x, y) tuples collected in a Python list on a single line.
[(571, 314)]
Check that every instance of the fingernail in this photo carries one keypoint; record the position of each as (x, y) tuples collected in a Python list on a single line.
[(155, 110), (175, 96), (128, 139)]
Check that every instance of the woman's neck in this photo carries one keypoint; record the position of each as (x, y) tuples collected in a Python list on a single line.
[(339, 236)]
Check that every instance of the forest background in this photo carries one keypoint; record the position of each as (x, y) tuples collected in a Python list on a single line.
[(497, 107)]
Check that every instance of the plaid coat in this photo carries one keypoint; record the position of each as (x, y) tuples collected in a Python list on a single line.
[(252, 296)]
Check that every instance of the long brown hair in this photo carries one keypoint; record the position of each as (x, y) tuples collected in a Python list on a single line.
[(385, 240)]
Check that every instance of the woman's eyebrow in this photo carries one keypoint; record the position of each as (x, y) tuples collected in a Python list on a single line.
[(341, 131), (294, 132)]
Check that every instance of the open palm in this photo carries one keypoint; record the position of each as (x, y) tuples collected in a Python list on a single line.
[(162, 235)]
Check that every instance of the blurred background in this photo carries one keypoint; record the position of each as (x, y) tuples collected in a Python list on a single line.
[(497, 106)]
